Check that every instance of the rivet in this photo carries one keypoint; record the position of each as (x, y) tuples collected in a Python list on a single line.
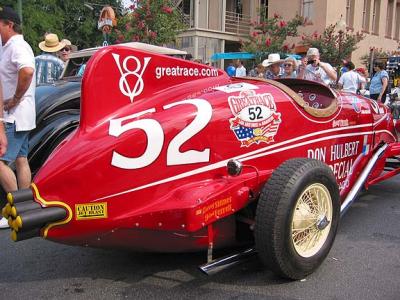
[(137, 224), (160, 224), (183, 225)]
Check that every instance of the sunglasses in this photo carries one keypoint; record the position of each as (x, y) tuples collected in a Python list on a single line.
[(65, 49), (287, 65)]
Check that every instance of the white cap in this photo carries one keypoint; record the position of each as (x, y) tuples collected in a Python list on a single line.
[(312, 51)]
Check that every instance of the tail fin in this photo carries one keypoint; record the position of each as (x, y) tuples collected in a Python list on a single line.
[(117, 76)]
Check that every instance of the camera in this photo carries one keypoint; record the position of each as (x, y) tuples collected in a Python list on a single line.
[(310, 62)]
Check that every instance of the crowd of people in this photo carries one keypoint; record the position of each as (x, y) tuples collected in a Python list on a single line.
[(310, 67)]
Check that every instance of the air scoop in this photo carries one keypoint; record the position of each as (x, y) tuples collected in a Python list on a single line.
[(26, 217)]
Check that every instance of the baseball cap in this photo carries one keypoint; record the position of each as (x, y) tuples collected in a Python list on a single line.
[(7, 13)]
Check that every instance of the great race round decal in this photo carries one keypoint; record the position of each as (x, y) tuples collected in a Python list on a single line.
[(256, 119)]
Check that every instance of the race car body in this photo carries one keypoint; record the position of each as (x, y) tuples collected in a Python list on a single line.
[(174, 156)]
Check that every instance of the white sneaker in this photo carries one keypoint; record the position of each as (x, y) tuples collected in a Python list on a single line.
[(4, 223)]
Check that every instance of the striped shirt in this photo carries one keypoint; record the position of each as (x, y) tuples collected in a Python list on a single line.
[(48, 68)]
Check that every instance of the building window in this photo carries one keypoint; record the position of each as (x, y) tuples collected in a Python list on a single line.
[(366, 13), (397, 32), (389, 18), (375, 16), (307, 9), (350, 13), (264, 9)]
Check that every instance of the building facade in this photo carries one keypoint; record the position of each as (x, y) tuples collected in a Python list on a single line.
[(216, 25), (219, 25), (379, 20)]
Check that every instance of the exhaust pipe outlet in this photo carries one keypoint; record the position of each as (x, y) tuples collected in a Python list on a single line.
[(21, 207), (220, 264), (19, 196), (38, 217)]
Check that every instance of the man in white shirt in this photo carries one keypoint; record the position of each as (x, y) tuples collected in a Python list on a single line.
[(240, 69), (17, 69), (3, 138), (312, 68), (351, 81)]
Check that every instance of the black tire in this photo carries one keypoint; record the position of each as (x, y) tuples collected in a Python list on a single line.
[(274, 215)]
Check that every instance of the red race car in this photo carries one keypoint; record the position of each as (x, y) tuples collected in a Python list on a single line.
[(175, 156)]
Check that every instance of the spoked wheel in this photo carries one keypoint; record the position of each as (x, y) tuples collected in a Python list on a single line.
[(297, 217), (311, 220)]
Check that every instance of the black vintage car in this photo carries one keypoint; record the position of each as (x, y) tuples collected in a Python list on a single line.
[(58, 105)]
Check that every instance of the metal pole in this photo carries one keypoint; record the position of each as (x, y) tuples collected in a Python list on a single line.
[(371, 61), (20, 10)]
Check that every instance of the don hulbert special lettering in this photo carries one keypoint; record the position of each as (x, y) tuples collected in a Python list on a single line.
[(340, 158)]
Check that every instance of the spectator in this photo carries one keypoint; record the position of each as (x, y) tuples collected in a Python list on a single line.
[(273, 65), (258, 71), (64, 53), (240, 69), (3, 140), (289, 68), (351, 81), (363, 72), (231, 70), (379, 83), (48, 66), (17, 69), (312, 68)]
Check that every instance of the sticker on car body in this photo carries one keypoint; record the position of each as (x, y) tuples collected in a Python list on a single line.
[(86, 211)]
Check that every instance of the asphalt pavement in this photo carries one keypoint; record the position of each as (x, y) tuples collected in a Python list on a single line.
[(364, 263)]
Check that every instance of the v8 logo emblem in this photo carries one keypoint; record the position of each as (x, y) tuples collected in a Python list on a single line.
[(136, 89)]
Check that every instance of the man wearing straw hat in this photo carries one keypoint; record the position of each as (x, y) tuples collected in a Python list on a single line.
[(17, 69), (48, 66), (273, 65)]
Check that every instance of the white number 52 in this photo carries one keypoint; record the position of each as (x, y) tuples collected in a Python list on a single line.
[(155, 137)]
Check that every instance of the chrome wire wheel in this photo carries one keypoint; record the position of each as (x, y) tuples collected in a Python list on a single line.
[(312, 219)]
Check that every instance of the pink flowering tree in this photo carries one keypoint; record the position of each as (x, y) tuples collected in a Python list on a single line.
[(154, 22), (269, 36), (334, 45)]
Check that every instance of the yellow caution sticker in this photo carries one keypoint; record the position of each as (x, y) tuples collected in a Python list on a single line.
[(91, 211)]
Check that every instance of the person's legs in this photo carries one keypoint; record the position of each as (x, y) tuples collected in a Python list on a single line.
[(7, 178), (24, 176)]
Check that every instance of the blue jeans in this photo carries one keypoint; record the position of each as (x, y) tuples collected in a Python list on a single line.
[(17, 141)]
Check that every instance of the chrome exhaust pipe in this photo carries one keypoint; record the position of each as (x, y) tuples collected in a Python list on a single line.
[(361, 180), (222, 263)]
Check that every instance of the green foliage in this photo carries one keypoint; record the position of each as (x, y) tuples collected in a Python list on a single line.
[(68, 19), (269, 36), (151, 21), (334, 45)]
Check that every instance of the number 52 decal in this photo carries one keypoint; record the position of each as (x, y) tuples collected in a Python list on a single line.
[(155, 137)]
